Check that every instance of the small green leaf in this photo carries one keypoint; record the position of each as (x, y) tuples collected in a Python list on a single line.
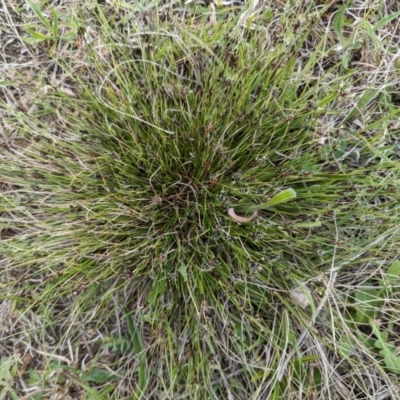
[(387, 349), (339, 153), (257, 376), (138, 346), (312, 224), (6, 366), (365, 99), (282, 197), (357, 45), (69, 36), (346, 346), (367, 303), (135, 335), (99, 375), (366, 340), (370, 31), (183, 271), (118, 344), (158, 288), (393, 272), (38, 13), (386, 20), (345, 59), (338, 22), (103, 395), (37, 35), (301, 286), (34, 377), (55, 23)]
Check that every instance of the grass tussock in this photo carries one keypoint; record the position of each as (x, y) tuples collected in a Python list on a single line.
[(115, 232)]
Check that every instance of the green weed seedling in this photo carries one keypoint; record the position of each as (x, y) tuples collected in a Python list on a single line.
[(367, 304), (387, 349), (8, 371), (58, 26)]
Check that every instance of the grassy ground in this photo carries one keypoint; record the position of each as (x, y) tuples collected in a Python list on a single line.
[(200, 201)]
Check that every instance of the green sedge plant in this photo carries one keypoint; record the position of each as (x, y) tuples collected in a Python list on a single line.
[(117, 212)]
